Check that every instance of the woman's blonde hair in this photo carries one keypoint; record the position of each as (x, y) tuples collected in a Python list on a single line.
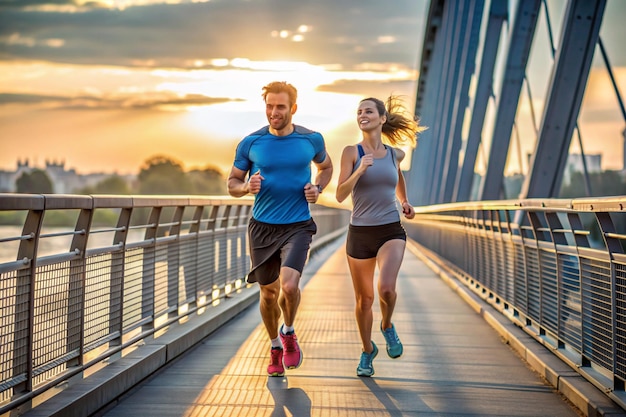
[(401, 127)]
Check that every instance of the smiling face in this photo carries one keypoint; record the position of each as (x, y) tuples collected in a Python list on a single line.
[(279, 110), (368, 116)]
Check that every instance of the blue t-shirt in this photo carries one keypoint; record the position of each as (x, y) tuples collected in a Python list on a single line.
[(285, 163)]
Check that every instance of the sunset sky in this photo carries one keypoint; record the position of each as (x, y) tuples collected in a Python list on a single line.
[(102, 85)]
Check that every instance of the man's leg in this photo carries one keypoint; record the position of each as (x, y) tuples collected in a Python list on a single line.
[(293, 258), (270, 310), (270, 313), (289, 300)]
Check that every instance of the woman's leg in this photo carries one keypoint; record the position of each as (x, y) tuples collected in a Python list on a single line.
[(389, 260), (362, 271)]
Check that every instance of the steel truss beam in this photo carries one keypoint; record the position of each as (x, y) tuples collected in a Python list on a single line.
[(520, 42), (579, 37), (498, 13)]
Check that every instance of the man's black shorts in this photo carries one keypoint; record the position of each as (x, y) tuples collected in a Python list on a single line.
[(273, 246)]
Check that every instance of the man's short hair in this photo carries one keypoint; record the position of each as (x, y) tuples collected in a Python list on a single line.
[(281, 87)]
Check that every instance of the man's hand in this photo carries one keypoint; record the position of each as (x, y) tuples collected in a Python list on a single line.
[(254, 183), (311, 193)]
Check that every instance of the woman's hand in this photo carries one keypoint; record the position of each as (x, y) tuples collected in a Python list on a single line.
[(408, 210), (367, 161)]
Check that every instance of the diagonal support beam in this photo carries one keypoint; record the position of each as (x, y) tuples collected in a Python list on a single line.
[(498, 13), (517, 58), (579, 37)]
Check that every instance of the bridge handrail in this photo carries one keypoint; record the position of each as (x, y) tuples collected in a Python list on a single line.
[(611, 203), (84, 277), (555, 267)]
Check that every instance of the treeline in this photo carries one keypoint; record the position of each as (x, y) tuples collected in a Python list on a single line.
[(601, 184), (158, 175)]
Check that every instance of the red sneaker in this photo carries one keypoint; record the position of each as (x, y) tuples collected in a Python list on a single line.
[(275, 368), (292, 358)]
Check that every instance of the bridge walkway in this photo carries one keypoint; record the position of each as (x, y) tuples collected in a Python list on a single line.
[(462, 358)]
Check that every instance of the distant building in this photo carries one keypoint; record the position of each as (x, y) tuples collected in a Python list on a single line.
[(64, 181), (7, 182), (575, 164), (513, 186), (8, 178), (624, 151)]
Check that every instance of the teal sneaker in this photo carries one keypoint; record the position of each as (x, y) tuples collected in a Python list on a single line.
[(366, 366), (394, 346)]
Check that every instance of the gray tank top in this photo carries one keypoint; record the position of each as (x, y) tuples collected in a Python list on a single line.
[(374, 195)]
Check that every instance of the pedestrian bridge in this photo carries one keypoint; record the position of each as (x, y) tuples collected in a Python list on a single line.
[(137, 305), (140, 308)]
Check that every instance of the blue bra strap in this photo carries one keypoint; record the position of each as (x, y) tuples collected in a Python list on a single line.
[(393, 153)]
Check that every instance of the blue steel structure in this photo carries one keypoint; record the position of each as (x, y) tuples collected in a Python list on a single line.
[(473, 70), (555, 266)]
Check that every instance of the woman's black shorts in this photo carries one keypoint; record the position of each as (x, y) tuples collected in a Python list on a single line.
[(363, 242), (275, 245)]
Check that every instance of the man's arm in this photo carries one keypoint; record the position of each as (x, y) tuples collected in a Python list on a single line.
[(324, 172), (237, 185)]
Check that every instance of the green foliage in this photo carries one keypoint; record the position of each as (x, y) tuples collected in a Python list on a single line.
[(602, 184), (159, 175), (12, 218), (60, 218), (34, 182), (105, 217), (208, 181), (605, 183), (110, 185), (163, 175)]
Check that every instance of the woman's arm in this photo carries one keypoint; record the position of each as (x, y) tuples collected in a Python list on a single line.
[(348, 179), (401, 193)]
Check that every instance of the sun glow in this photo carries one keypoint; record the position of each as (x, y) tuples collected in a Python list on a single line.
[(195, 115)]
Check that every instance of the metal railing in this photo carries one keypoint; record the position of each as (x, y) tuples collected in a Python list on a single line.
[(116, 270), (556, 268)]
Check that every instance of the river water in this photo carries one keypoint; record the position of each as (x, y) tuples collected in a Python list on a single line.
[(57, 244)]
